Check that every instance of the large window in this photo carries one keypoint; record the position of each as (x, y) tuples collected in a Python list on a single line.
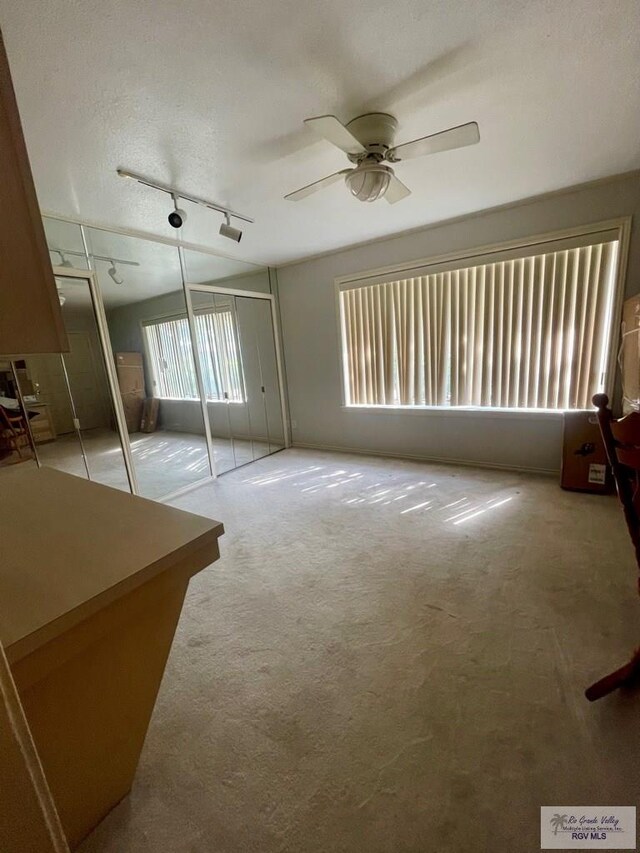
[(171, 359), (521, 328)]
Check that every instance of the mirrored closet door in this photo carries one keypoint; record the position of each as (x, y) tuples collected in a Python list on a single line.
[(150, 341), (167, 383), (258, 344), (67, 398), (235, 345), (86, 375)]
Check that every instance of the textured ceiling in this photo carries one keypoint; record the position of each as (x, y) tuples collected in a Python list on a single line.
[(210, 96)]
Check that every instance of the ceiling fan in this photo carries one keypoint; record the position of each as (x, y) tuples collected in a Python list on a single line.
[(368, 142)]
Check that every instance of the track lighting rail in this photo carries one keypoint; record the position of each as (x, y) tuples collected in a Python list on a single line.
[(176, 193)]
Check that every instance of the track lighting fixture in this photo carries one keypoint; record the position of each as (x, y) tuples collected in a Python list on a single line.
[(64, 262), (113, 272), (227, 230), (178, 216)]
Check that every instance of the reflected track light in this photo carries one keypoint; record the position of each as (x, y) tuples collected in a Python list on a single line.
[(64, 262), (227, 230), (113, 272)]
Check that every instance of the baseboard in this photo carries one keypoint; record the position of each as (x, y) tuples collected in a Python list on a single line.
[(444, 460)]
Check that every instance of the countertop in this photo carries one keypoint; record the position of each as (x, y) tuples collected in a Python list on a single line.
[(69, 547)]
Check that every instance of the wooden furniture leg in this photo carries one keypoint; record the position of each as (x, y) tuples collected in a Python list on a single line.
[(626, 676)]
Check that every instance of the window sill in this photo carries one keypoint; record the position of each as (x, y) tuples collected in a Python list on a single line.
[(459, 412)]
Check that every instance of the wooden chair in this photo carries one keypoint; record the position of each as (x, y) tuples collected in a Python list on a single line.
[(13, 429), (622, 442)]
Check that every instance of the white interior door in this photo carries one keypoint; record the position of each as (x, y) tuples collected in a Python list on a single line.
[(50, 386), (86, 385)]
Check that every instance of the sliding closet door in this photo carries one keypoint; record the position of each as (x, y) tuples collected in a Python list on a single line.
[(255, 325), (86, 375), (148, 326), (218, 350), (44, 389)]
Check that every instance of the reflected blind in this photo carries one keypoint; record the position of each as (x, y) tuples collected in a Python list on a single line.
[(527, 332), (219, 355), (171, 359)]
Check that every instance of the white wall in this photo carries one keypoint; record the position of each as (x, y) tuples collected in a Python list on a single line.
[(312, 346)]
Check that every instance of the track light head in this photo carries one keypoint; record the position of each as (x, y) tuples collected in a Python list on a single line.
[(177, 217), (113, 272), (64, 261), (227, 230)]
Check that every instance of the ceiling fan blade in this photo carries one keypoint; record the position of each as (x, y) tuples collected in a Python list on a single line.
[(303, 192), (331, 129), (396, 191), (455, 137)]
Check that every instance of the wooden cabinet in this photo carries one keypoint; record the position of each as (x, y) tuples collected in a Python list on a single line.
[(30, 316), (87, 623)]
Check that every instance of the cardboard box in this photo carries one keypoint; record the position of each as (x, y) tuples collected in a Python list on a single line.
[(630, 355), (584, 458)]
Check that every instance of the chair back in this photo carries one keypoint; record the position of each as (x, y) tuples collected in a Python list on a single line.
[(622, 442)]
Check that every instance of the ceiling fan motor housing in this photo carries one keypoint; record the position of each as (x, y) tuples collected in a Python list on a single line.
[(376, 131)]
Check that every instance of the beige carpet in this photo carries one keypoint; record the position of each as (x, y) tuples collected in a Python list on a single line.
[(389, 657)]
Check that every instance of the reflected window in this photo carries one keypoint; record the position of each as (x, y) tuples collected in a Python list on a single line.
[(217, 342), (168, 344), (170, 359)]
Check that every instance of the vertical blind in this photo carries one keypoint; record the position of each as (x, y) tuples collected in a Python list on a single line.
[(171, 357), (525, 332), (219, 355)]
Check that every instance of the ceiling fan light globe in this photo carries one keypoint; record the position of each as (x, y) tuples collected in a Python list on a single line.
[(368, 183)]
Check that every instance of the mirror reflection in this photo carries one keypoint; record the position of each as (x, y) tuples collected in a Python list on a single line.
[(148, 381), (148, 328), (42, 382), (228, 273), (257, 334), (236, 350), (16, 442), (88, 384)]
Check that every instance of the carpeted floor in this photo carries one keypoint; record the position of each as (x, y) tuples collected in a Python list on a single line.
[(389, 658)]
